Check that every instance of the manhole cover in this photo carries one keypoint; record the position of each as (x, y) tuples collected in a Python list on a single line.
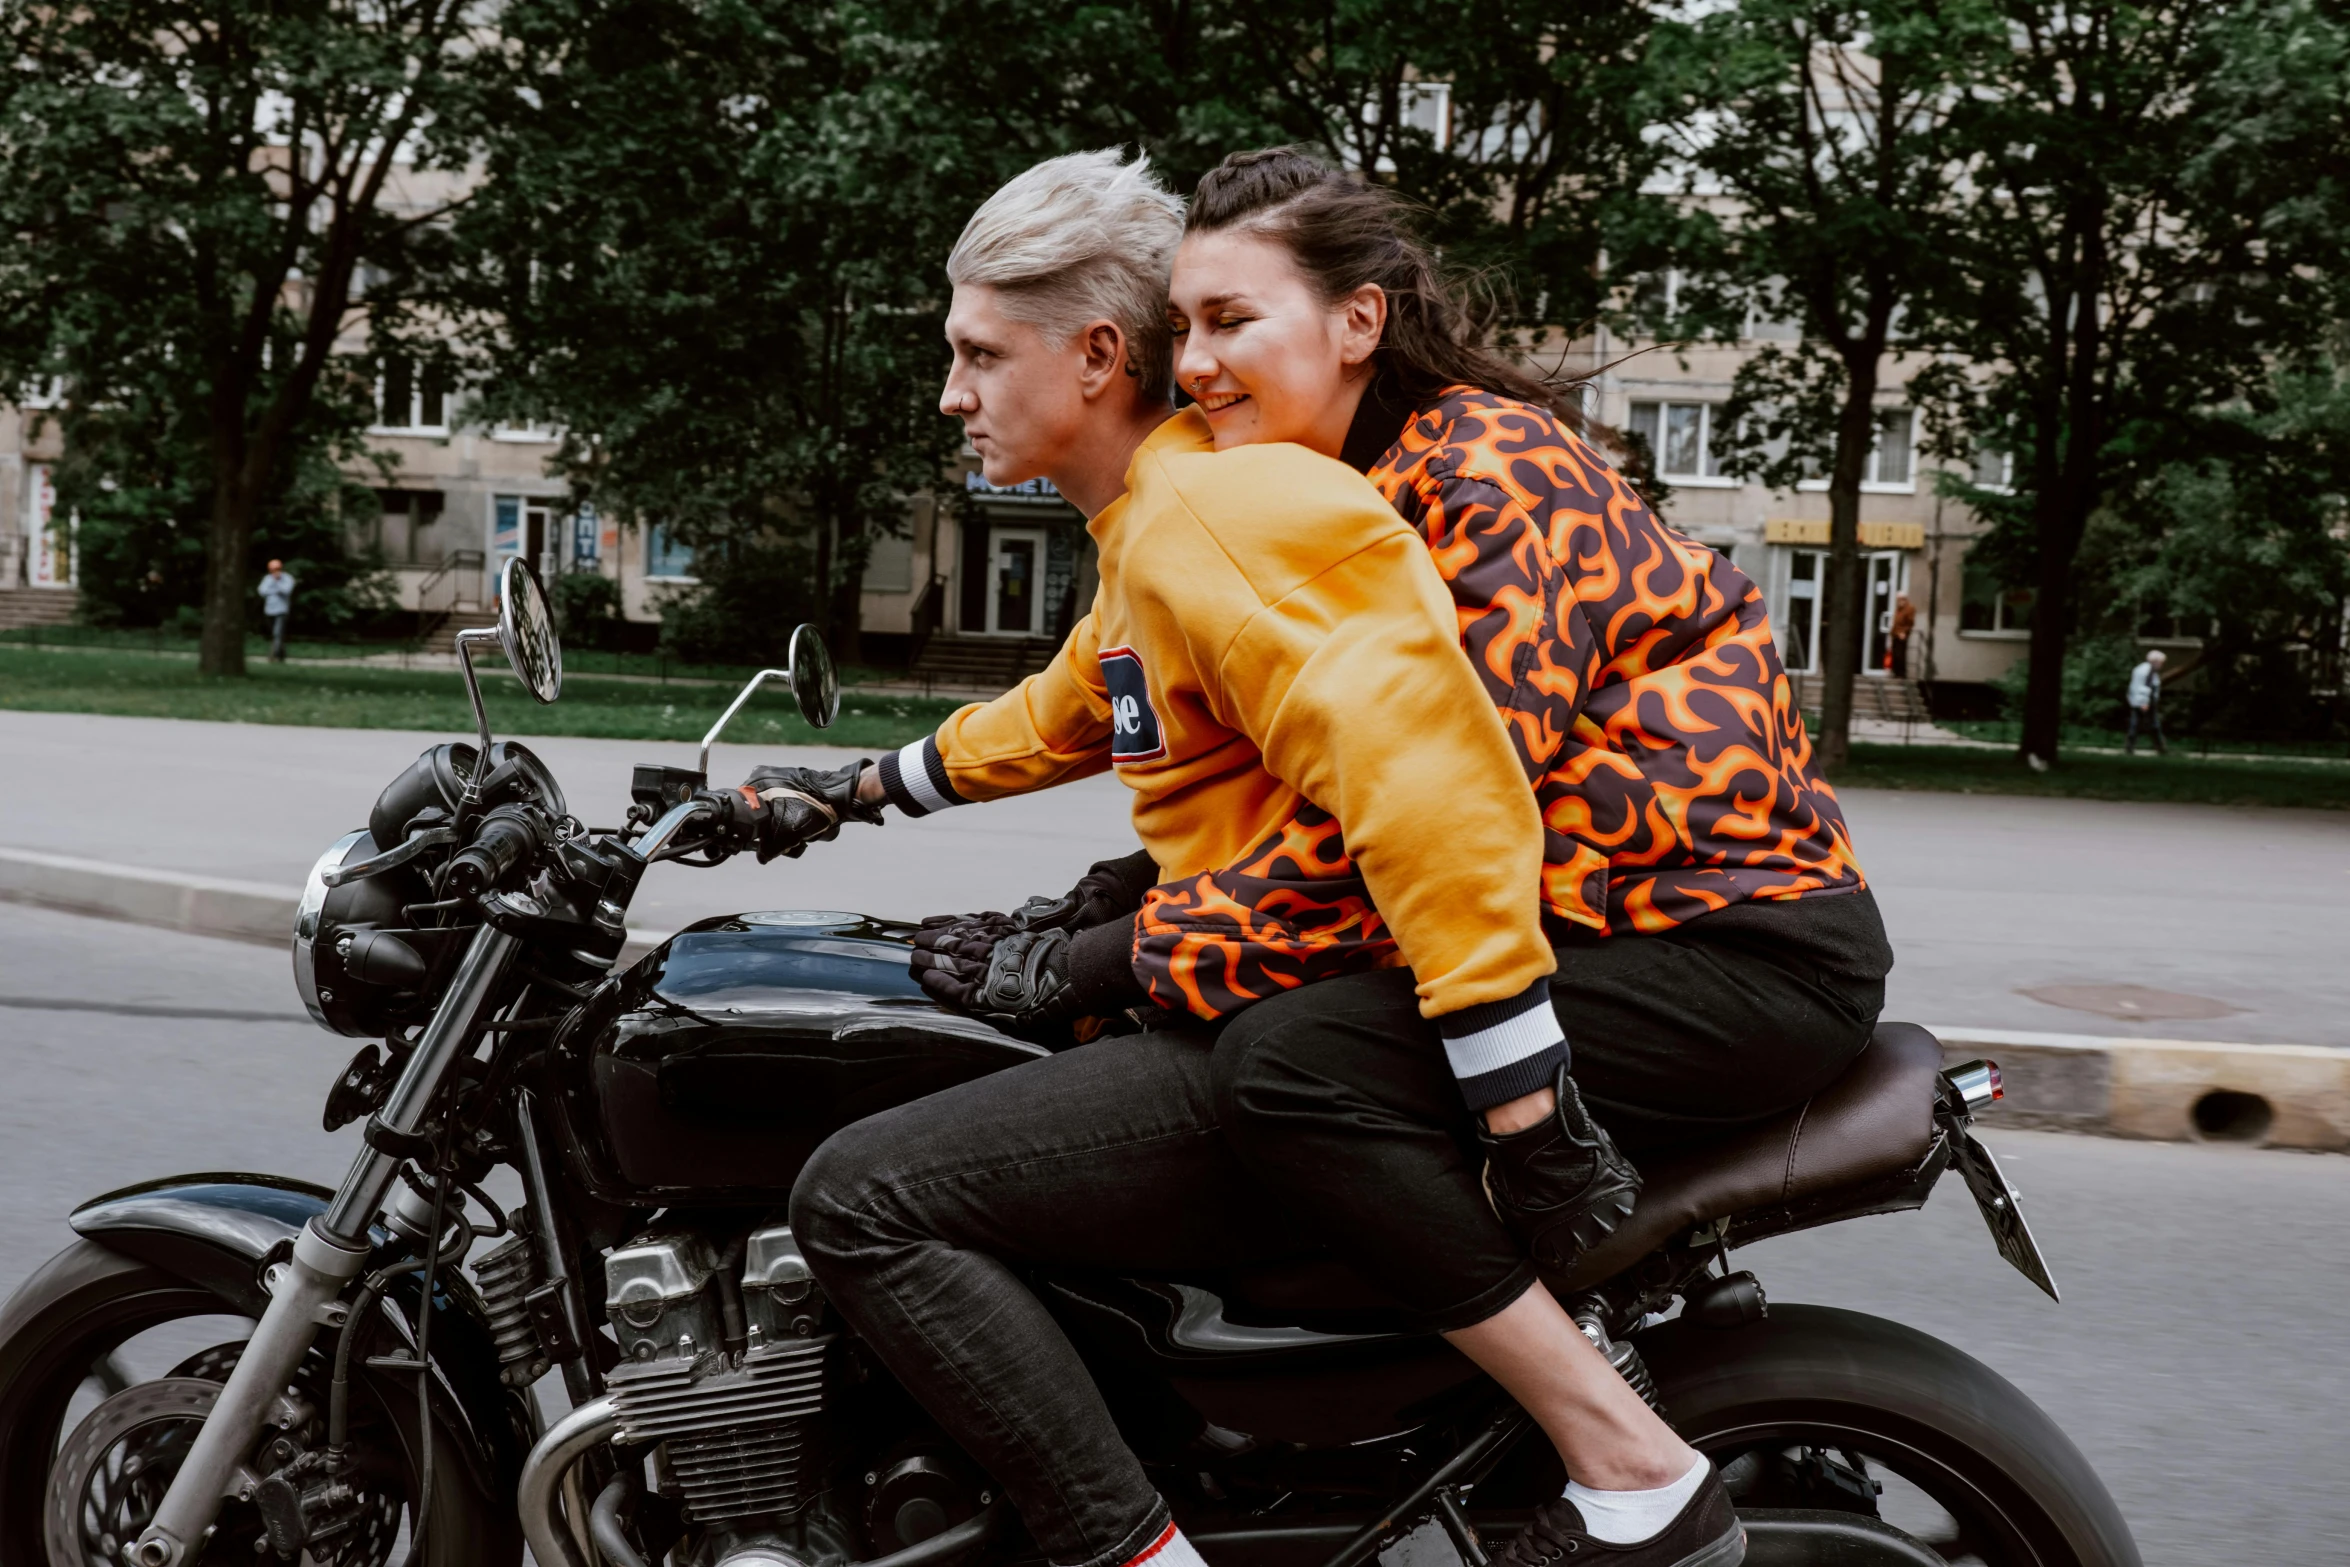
[(2130, 1002)]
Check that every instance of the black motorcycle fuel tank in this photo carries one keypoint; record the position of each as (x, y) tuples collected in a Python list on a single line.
[(708, 1073)]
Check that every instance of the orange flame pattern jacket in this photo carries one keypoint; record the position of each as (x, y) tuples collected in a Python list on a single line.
[(1636, 674)]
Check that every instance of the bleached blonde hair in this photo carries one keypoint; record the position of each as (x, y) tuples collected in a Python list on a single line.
[(1078, 239)]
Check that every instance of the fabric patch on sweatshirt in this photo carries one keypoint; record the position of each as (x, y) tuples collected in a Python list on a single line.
[(1134, 723)]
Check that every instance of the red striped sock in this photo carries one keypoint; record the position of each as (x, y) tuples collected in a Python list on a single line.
[(1169, 1549)]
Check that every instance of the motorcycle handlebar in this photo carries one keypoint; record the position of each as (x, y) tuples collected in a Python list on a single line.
[(658, 837), (501, 844)]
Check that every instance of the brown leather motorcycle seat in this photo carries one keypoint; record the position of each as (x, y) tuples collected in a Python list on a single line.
[(1876, 1120)]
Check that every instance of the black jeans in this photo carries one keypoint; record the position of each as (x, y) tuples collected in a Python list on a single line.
[(1321, 1121), (922, 1223)]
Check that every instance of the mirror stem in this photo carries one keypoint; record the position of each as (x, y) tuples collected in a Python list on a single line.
[(481, 717), (757, 680)]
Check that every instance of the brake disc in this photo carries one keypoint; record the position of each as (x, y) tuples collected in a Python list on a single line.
[(111, 1474)]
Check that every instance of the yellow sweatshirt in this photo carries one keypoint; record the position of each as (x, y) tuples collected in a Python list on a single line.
[(1270, 636)]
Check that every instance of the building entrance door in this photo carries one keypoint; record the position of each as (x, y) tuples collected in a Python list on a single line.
[(1803, 612), (1015, 582)]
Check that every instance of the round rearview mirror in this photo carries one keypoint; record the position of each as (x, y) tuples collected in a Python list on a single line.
[(527, 631), (813, 682)]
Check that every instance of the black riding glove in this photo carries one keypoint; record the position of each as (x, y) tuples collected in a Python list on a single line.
[(1560, 1186), (1113, 889), (1029, 982), (781, 810)]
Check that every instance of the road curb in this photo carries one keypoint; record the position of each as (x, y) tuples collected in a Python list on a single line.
[(2165, 1090), (200, 905)]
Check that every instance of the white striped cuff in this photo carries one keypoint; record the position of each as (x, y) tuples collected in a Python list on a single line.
[(914, 778), (1504, 1050)]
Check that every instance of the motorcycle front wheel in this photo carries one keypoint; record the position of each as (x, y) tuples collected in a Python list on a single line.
[(1815, 1411), (82, 1486)]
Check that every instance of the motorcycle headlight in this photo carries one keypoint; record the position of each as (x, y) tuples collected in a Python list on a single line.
[(338, 1000)]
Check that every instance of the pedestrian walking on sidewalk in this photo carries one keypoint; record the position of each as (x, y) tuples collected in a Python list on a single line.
[(2146, 702), (1905, 621), (277, 601)]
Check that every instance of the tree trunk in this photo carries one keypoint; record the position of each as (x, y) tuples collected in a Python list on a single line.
[(228, 577), (1839, 652), (2044, 680)]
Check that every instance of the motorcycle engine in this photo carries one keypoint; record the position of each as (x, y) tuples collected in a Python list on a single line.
[(739, 1425)]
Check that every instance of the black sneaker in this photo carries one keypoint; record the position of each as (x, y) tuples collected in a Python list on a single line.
[(1706, 1533), (1560, 1185)]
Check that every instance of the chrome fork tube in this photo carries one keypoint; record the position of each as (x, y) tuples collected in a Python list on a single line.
[(329, 1253), (480, 973)]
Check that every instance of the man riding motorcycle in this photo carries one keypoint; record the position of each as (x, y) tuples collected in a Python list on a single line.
[(1342, 686)]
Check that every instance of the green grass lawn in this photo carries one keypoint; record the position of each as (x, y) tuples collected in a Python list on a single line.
[(341, 696), (2176, 779)]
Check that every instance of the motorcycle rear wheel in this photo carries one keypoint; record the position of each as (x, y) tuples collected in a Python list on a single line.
[(1809, 1406), (59, 1330)]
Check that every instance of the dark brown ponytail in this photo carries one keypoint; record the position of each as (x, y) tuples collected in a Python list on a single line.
[(1345, 232)]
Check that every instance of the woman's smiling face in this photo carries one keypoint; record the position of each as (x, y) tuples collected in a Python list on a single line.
[(1259, 349)]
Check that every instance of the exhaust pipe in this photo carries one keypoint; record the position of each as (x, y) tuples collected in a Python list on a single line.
[(538, 1496)]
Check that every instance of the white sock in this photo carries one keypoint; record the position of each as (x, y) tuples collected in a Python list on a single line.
[(1628, 1517), (1170, 1549)]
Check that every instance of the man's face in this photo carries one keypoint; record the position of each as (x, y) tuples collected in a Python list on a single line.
[(1021, 400)]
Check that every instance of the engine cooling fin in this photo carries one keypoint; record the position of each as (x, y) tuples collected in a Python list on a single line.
[(738, 1438)]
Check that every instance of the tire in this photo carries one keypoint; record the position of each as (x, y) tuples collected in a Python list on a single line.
[(1820, 1380), (86, 1301)]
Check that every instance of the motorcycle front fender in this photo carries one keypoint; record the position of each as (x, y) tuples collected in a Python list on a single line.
[(216, 1231)]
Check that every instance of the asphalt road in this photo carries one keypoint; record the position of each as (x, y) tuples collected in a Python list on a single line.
[(2201, 1358), (1987, 898)]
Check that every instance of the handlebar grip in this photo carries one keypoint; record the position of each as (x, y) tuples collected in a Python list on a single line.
[(502, 844)]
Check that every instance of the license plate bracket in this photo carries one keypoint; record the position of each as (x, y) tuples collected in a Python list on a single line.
[(2001, 1213)]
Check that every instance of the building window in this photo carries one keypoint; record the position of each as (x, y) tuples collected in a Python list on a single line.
[(1891, 459), (1682, 435), (1986, 606), (1994, 470), (405, 530), (665, 556), (889, 564), (411, 398)]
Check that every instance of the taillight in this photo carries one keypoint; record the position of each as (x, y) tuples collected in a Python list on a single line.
[(1977, 1082)]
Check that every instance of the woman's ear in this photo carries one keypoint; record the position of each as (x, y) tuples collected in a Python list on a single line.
[(1362, 322), (1105, 359)]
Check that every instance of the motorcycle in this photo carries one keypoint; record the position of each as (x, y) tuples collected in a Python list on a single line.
[(717, 1411)]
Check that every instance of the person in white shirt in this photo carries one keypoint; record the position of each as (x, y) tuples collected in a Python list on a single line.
[(2146, 701), (277, 601)]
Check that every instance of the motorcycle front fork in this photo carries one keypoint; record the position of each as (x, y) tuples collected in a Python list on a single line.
[(330, 1252)]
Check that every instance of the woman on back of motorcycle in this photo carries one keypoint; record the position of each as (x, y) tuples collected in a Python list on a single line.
[(1718, 956)]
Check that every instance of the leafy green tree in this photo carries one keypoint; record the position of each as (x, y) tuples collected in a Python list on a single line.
[(194, 195), (1513, 121), (1814, 149), (711, 241), (711, 247), (2154, 217)]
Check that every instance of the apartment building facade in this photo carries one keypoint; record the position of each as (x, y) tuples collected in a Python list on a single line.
[(971, 562)]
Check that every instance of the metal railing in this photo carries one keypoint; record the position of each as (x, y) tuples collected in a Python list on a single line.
[(930, 614), (441, 591)]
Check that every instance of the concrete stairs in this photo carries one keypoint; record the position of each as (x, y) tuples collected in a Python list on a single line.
[(982, 663), (22, 607), (1873, 696)]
